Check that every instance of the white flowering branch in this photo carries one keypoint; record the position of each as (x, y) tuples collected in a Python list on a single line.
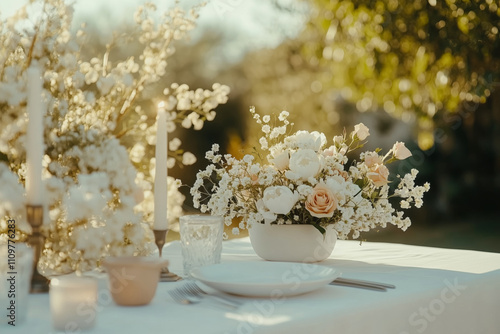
[(98, 163)]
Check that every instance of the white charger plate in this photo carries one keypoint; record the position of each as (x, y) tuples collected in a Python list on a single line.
[(265, 279)]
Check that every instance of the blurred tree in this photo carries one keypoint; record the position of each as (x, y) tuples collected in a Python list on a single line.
[(281, 79), (429, 66), (417, 60), (188, 65), (410, 56)]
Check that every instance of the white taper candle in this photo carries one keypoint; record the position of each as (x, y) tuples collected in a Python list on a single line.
[(161, 187), (34, 137)]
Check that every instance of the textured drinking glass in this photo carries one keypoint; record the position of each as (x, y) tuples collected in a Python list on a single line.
[(16, 266), (73, 302), (201, 240)]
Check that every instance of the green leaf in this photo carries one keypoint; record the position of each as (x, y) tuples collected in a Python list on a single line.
[(319, 228)]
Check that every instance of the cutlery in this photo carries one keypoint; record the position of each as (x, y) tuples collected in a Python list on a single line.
[(193, 289), (357, 281), (182, 298), (360, 286)]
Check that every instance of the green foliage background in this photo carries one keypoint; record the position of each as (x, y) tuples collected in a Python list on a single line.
[(416, 60)]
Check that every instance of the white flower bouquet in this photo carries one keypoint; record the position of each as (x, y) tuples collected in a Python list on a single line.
[(305, 180)]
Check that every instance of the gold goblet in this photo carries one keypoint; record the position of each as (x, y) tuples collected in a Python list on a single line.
[(165, 275), (34, 213)]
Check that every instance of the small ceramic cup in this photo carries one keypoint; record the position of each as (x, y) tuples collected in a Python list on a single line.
[(133, 279)]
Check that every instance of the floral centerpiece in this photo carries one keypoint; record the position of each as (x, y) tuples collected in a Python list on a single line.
[(99, 129), (301, 178)]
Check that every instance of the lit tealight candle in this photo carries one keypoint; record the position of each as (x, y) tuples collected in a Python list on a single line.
[(161, 187), (73, 303), (34, 137)]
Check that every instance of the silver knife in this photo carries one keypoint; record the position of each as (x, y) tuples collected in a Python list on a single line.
[(360, 286), (357, 281)]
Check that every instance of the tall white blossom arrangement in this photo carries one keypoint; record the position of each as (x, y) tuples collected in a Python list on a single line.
[(302, 179), (99, 137)]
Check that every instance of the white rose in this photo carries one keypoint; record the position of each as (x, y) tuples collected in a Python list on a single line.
[(281, 160), (338, 139), (307, 140), (320, 140), (268, 216), (305, 163), (337, 184), (279, 199), (400, 151), (361, 131)]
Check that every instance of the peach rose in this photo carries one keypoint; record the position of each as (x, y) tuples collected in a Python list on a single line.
[(372, 159), (400, 151), (378, 174), (321, 203)]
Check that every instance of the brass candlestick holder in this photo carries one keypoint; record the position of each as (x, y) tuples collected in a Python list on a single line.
[(34, 213), (166, 275)]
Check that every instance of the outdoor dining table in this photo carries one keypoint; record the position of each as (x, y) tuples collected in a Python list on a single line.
[(437, 291)]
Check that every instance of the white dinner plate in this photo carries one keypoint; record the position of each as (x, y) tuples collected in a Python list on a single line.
[(265, 279)]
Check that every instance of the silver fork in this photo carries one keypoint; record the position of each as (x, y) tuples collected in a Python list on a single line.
[(182, 298), (193, 289)]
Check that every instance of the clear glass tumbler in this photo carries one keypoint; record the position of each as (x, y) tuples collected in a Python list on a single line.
[(201, 240)]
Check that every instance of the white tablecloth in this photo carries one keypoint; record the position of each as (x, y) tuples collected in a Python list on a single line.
[(438, 291)]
